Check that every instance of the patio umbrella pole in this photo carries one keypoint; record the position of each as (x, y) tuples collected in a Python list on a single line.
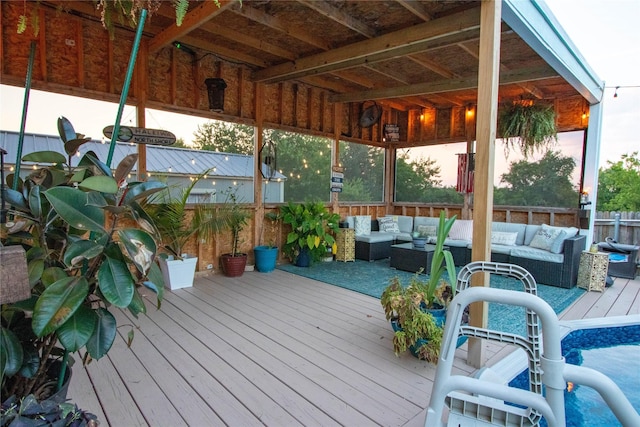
[(25, 105), (125, 88)]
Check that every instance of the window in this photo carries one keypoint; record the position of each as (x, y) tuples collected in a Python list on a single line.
[(363, 172)]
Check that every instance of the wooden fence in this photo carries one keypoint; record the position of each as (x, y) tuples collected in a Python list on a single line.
[(628, 227)]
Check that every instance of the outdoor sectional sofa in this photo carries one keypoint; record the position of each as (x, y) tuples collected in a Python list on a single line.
[(550, 254)]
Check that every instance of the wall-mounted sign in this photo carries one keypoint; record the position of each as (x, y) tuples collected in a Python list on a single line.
[(391, 133), (337, 179), (141, 135)]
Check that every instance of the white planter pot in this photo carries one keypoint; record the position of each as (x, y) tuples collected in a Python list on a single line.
[(178, 273)]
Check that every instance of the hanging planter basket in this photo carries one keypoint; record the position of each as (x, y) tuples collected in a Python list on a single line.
[(527, 126)]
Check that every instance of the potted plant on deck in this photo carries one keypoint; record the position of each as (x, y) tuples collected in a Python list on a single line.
[(90, 247), (417, 312), (267, 255), (312, 229), (176, 227), (234, 262)]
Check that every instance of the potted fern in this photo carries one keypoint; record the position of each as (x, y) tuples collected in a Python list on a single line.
[(527, 125)]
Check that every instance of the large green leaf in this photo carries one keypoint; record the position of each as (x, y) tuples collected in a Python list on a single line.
[(140, 247), (104, 334), (52, 275), (116, 283), (125, 166), (137, 305), (10, 352), (91, 160), (155, 282), (44, 157), (103, 184), (76, 331), (80, 250), (138, 190), (15, 199), (71, 205), (35, 203), (34, 270), (65, 129), (58, 303)]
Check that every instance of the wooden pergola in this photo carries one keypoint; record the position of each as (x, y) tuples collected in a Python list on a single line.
[(438, 69)]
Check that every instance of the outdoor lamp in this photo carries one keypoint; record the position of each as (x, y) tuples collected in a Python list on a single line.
[(215, 90)]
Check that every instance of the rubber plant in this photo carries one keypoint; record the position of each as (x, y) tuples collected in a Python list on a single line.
[(527, 125), (90, 248), (412, 309)]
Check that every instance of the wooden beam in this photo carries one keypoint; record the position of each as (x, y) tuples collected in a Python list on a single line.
[(337, 15), (223, 51), (383, 47), (488, 78), (510, 77), (416, 8), (283, 26), (192, 20)]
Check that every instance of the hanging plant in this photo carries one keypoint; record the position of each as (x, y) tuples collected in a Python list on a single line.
[(527, 126)]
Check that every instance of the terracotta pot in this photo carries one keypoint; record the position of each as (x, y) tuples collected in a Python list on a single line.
[(233, 266)]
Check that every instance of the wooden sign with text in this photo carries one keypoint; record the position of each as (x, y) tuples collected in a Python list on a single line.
[(141, 135)]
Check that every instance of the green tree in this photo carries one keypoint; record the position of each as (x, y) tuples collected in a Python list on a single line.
[(224, 137), (619, 185), (180, 144), (363, 172), (546, 182), (415, 178)]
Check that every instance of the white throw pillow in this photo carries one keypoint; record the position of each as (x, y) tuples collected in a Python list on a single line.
[(363, 225), (462, 229), (427, 231), (545, 237), (388, 224), (504, 238)]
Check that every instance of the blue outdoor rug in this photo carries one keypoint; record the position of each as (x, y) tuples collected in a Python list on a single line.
[(371, 278)]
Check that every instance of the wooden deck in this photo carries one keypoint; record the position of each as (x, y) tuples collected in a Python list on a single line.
[(274, 349)]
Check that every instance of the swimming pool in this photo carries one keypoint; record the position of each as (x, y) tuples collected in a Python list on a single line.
[(612, 350)]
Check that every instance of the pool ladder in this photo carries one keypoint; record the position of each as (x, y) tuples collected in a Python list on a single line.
[(478, 402)]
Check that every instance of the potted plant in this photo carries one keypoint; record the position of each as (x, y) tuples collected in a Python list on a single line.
[(89, 246), (267, 255), (312, 226), (176, 228), (234, 262), (28, 411), (527, 125), (417, 312)]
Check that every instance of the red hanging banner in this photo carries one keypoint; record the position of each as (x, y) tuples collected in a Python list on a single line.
[(466, 163)]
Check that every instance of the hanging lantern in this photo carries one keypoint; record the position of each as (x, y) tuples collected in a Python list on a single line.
[(215, 90)]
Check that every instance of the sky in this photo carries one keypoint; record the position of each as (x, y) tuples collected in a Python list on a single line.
[(605, 32)]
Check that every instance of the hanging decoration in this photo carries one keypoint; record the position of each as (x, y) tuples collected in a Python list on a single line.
[(527, 125), (268, 160), (466, 166), (370, 115)]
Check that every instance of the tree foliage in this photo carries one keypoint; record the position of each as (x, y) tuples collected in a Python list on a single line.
[(619, 185), (546, 182), (224, 137), (363, 172)]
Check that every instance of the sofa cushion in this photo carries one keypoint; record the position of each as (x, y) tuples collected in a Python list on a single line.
[(375, 237), (536, 254), (545, 237), (504, 238), (462, 229), (457, 243), (510, 227), (501, 249), (388, 224), (362, 225)]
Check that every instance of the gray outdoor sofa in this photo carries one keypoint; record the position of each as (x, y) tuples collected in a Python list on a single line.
[(553, 262)]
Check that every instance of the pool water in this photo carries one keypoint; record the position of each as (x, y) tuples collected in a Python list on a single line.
[(614, 351)]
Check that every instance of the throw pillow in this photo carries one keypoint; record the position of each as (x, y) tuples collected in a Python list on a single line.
[(427, 231), (558, 244), (388, 224), (462, 229), (363, 225), (503, 238), (545, 237)]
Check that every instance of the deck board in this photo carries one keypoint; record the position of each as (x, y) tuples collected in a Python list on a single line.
[(275, 349)]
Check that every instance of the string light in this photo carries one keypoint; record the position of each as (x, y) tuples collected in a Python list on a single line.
[(615, 88), (170, 170), (226, 158), (193, 161)]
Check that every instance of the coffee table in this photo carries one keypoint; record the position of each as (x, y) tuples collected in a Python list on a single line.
[(407, 257)]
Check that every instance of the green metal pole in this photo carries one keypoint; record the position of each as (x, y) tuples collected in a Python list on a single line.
[(125, 88), (25, 105)]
